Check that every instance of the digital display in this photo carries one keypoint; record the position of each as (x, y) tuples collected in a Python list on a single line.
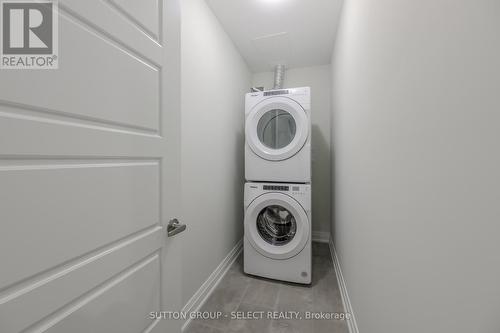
[(276, 188)]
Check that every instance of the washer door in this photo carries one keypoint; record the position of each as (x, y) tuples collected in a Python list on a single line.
[(276, 225), (277, 128)]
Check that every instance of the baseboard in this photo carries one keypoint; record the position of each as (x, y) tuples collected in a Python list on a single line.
[(321, 236), (201, 295), (351, 324)]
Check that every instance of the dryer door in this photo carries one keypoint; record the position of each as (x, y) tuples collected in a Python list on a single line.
[(277, 226), (277, 128)]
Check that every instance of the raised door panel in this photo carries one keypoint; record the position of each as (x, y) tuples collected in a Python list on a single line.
[(142, 13), (98, 80), (65, 209)]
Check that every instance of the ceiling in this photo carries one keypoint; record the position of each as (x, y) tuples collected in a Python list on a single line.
[(296, 33)]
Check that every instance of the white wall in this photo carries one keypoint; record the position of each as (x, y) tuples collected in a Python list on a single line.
[(319, 79), (214, 81), (416, 141)]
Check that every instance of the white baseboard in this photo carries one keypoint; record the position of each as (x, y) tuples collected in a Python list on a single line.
[(321, 236), (201, 295), (351, 324)]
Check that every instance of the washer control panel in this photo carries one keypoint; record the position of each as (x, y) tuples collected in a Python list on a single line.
[(300, 192), (293, 189), (276, 188)]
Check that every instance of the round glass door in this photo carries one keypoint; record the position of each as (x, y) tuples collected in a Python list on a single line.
[(276, 129), (276, 225)]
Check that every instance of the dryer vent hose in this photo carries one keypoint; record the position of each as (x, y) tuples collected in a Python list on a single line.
[(279, 76)]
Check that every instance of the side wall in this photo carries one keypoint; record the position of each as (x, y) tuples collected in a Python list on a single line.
[(416, 123), (214, 80), (318, 78)]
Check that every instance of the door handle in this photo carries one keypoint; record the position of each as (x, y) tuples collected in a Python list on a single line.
[(174, 227)]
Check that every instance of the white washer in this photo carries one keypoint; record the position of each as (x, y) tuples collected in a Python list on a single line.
[(277, 241), (278, 135)]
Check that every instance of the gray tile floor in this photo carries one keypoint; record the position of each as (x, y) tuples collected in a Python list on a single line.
[(240, 292)]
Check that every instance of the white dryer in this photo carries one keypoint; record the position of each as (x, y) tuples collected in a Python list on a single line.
[(278, 135), (277, 241)]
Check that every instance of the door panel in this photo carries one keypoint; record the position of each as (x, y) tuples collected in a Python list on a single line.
[(100, 79), (140, 12), (68, 203), (103, 16), (119, 305), (89, 175), (37, 298)]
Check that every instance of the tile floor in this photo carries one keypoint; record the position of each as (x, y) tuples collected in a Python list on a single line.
[(240, 292)]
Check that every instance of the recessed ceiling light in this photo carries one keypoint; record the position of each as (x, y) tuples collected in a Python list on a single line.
[(271, 1)]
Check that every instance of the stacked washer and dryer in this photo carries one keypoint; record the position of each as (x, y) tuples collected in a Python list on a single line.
[(277, 241)]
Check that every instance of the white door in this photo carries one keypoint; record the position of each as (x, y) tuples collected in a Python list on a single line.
[(89, 175), (277, 128)]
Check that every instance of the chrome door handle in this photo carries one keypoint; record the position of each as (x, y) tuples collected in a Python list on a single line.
[(174, 227)]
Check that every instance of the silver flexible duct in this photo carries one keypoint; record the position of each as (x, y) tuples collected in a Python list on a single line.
[(279, 76)]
